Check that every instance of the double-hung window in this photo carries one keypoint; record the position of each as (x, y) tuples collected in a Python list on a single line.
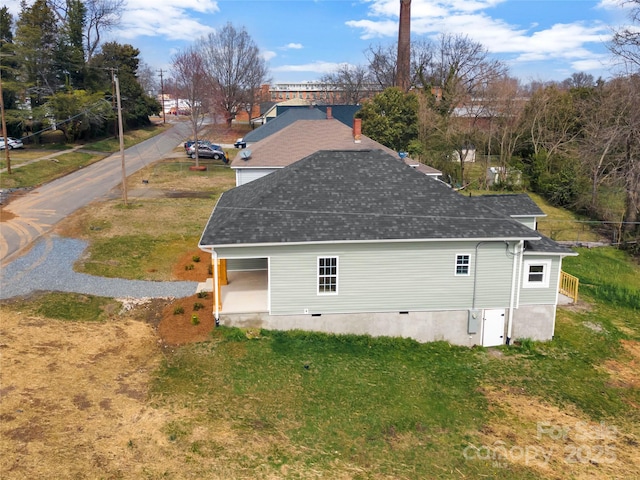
[(536, 274), (327, 275), (462, 264)]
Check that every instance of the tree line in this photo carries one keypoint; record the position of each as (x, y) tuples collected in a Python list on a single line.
[(58, 74), (576, 142)]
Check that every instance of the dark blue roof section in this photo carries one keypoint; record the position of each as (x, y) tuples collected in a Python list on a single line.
[(360, 195), (343, 113), (281, 121)]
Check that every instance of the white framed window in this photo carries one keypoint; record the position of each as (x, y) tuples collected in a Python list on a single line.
[(463, 262), (327, 275), (536, 274)]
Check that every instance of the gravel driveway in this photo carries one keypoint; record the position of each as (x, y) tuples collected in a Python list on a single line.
[(49, 266)]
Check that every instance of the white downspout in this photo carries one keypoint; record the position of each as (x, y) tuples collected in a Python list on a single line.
[(514, 276), (216, 307)]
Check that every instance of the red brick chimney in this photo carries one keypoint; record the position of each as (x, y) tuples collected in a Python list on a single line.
[(404, 47), (329, 113), (357, 130)]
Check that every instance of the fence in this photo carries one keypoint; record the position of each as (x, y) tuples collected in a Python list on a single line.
[(569, 285)]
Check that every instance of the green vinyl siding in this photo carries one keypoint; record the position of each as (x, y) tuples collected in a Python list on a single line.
[(386, 276), (542, 296)]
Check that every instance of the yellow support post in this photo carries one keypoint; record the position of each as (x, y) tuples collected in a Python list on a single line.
[(222, 271)]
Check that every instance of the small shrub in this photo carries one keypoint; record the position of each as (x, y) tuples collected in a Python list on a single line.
[(178, 310), (189, 267), (210, 270), (202, 294), (196, 258), (195, 320), (197, 306)]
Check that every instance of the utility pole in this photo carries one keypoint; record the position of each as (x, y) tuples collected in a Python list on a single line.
[(164, 118), (121, 135)]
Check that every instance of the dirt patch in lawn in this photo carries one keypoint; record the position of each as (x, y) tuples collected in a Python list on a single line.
[(559, 443), (74, 399), (627, 374), (189, 319)]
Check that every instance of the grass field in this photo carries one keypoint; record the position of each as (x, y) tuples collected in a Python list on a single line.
[(90, 390), (314, 405)]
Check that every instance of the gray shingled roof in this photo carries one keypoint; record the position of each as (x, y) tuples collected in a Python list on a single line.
[(333, 196), (514, 204), (546, 245), (281, 121)]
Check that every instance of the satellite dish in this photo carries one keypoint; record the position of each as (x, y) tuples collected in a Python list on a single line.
[(245, 154)]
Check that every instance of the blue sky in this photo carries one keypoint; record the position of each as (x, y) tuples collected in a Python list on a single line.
[(304, 39)]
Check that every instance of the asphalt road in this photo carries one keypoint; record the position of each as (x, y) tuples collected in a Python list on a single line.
[(36, 212)]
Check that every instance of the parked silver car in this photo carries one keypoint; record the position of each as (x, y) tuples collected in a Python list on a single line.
[(208, 151), (13, 143)]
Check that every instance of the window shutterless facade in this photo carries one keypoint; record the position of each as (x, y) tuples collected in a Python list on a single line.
[(463, 261), (536, 274), (327, 275)]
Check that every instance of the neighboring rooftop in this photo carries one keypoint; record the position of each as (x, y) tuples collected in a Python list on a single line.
[(302, 138), (361, 195), (281, 121), (344, 113)]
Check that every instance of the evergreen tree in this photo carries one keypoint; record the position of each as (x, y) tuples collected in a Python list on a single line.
[(391, 118), (123, 60), (71, 44), (36, 42)]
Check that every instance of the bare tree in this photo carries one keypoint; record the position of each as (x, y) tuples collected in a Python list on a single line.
[(630, 172), (625, 43), (233, 60), (579, 80), (101, 16), (382, 64), (193, 84), (352, 82), (550, 120), (454, 81), (504, 107), (383, 60), (147, 79), (600, 146)]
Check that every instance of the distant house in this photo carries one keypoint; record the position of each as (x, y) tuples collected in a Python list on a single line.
[(359, 242), (302, 138), (281, 121), (343, 113)]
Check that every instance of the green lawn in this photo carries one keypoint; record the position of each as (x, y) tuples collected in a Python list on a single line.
[(43, 171), (359, 407)]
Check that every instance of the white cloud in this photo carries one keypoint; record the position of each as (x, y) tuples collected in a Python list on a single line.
[(373, 29), (268, 54), (562, 41), (293, 46)]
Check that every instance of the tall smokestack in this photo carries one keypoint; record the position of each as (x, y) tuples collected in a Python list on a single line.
[(404, 47)]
